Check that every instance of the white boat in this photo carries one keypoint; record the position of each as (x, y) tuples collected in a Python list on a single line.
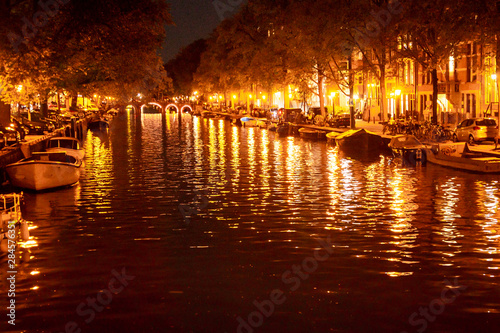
[(44, 170), (249, 122), (459, 156), (70, 146)]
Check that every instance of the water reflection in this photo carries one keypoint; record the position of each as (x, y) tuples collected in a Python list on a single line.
[(398, 233)]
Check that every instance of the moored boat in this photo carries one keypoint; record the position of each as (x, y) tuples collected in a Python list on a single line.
[(283, 129), (44, 170), (249, 122), (459, 156), (360, 141), (98, 124), (312, 134), (66, 144), (330, 137), (409, 149)]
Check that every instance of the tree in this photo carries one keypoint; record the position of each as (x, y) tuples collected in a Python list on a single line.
[(432, 32), (83, 46), (182, 68)]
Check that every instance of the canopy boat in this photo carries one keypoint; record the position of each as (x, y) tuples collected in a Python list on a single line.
[(459, 156), (409, 149), (312, 134), (66, 144), (45, 170), (360, 142)]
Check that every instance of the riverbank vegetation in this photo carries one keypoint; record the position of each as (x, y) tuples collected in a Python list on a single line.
[(80, 47)]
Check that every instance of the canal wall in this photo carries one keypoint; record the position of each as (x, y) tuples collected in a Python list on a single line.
[(13, 154)]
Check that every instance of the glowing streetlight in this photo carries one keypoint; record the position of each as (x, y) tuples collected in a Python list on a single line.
[(493, 77), (397, 92)]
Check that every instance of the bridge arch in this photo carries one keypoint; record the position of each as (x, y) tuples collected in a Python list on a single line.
[(152, 103), (187, 106), (134, 107), (167, 108)]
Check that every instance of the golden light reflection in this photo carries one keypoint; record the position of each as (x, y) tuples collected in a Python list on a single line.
[(28, 244), (252, 155), (293, 169), (398, 274), (333, 166), (99, 168), (488, 202), (266, 168), (235, 154)]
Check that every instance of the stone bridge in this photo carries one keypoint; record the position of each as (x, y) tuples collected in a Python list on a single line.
[(162, 107)]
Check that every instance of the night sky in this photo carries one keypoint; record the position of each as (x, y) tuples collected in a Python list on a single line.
[(194, 19)]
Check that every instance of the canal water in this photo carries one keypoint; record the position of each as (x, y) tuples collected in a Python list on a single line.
[(195, 225)]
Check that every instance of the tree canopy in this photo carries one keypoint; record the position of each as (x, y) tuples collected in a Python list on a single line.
[(85, 46)]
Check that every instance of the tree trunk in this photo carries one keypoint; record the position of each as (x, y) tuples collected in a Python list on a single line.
[(383, 99), (4, 113), (74, 100), (351, 92), (320, 92), (44, 108), (434, 95)]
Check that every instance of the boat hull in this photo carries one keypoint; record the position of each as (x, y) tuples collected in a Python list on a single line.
[(360, 141), (98, 125), (473, 164), (42, 175), (311, 134)]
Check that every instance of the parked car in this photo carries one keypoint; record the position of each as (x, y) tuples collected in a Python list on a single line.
[(476, 129), (37, 127), (2, 140), (340, 120), (18, 126), (10, 135), (76, 111)]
